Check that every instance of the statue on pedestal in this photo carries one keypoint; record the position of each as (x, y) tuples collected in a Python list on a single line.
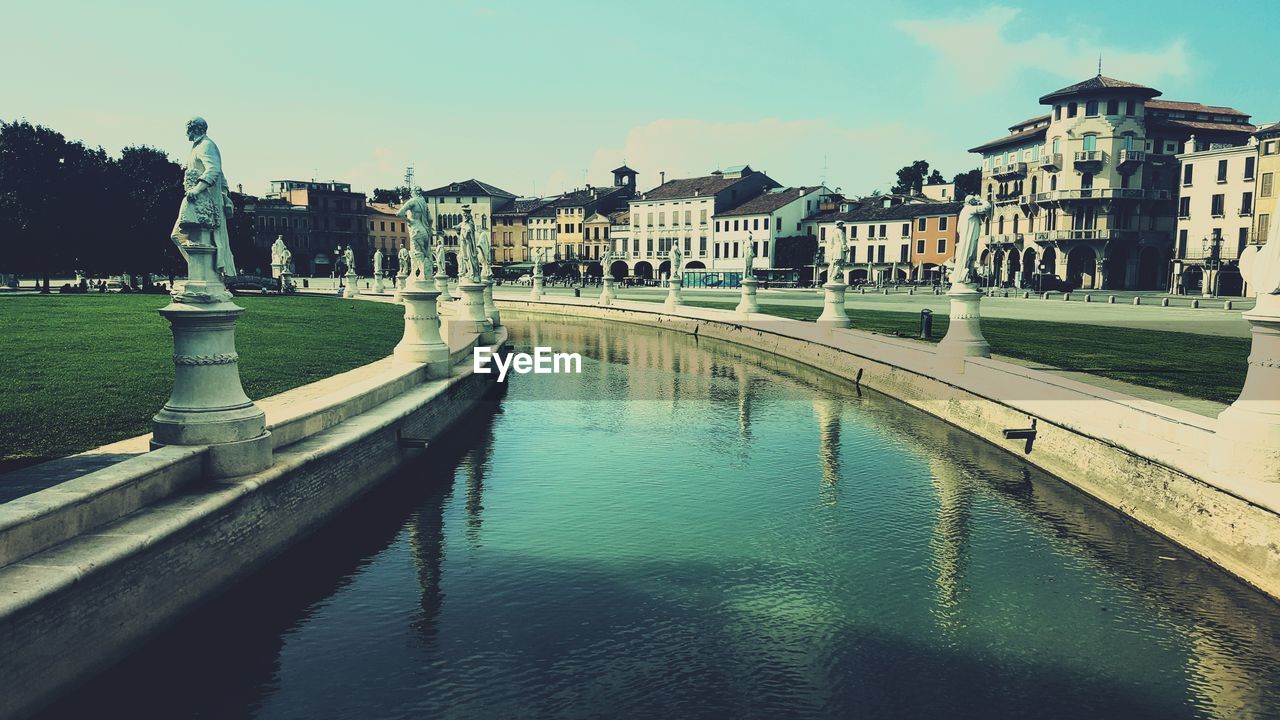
[(468, 258), (438, 254), (403, 256), (1260, 264), (676, 257), (749, 257), (206, 204), (349, 257), (286, 261), (970, 228), (420, 231), (277, 252), (837, 252), (484, 248), (377, 262), (539, 257)]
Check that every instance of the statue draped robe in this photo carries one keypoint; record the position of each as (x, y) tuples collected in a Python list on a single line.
[(208, 212)]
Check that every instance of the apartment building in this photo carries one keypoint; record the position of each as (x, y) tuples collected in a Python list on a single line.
[(891, 238), (681, 211), (1216, 207), (387, 233), (511, 230), (1088, 191), (1267, 193), (335, 217), (776, 212), (447, 203)]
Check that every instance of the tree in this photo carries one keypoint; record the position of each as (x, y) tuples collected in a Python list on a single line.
[(968, 183), (392, 196), (33, 197), (149, 187), (935, 178), (911, 178)]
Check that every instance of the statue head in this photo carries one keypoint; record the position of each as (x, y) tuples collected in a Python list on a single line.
[(196, 127)]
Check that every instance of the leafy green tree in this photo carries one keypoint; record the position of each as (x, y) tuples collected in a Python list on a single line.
[(149, 189), (968, 183), (392, 196), (33, 197), (911, 178)]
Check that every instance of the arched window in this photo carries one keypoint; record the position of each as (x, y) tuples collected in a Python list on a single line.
[(1090, 143), (1056, 145), (1053, 182), (1033, 185)]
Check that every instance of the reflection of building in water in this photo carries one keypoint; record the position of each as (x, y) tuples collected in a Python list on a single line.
[(426, 538), (744, 401), (828, 409), (950, 540)]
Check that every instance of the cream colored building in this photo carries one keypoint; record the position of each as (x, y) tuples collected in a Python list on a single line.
[(1086, 194), (1216, 204), (448, 201)]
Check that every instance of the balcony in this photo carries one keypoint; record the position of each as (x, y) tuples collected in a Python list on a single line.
[(1012, 170), (1101, 194), (1051, 161), (1131, 159), (1090, 160), (1055, 235)]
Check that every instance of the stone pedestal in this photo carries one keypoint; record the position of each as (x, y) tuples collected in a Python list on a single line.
[(277, 269), (491, 310), (377, 282), (422, 342), (470, 315), (1247, 441), (536, 291), (674, 297), (833, 313), (606, 291), (401, 278), (748, 304), (286, 282), (964, 333), (208, 405), (349, 290)]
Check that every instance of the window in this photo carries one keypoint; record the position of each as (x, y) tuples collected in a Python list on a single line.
[(1264, 227), (1091, 108), (920, 246), (702, 216), (1248, 168), (688, 217), (1186, 174), (1128, 107), (1071, 110), (1090, 143), (904, 254), (755, 223), (1057, 112), (1184, 207), (1057, 145), (942, 223), (853, 254), (1246, 203), (906, 229), (1182, 243), (648, 220), (662, 219), (853, 232), (822, 234), (1242, 240), (1222, 171), (921, 224), (882, 231), (942, 246), (1113, 107), (702, 246), (1218, 205), (779, 225), (717, 226), (1269, 147)]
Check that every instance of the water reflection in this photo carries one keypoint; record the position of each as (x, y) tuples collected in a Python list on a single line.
[(643, 539)]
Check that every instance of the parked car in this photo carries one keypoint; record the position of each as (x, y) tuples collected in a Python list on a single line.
[(252, 282), (114, 285), (1046, 282)]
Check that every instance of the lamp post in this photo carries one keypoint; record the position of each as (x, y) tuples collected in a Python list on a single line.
[(1212, 248)]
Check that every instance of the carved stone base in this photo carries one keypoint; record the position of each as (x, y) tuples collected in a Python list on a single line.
[(377, 282), (964, 337), (1247, 441), (442, 286), (470, 316), (490, 309), (349, 290), (422, 342), (286, 282), (675, 298), (208, 405), (203, 284), (833, 312), (748, 304), (536, 291), (606, 291)]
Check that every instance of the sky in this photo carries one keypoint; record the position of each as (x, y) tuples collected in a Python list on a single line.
[(542, 97)]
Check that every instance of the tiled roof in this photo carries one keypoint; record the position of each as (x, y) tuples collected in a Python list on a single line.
[(1029, 121), (1096, 83), (869, 211), (1193, 107), (524, 207), (1268, 129), (1025, 135), (382, 208), (623, 169), (768, 201), (1200, 125), (469, 187), (621, 217), (694, 187)]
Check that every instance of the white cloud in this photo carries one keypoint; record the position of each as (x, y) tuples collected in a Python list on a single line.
[(985, 52), (858, 159)]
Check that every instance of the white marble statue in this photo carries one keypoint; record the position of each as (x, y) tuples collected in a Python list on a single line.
[(277, 252), (349, 256), (606, 260), (676, 257), (970, 229), (437, 254), (377, 261), (286, 261), (837, 254), (749, 257), (539, 257), (484, 248), (468, 258), (206, 205), (403, 256), (420, 231)]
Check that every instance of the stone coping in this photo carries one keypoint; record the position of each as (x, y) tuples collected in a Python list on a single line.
[(1174, 438), (37, 521)]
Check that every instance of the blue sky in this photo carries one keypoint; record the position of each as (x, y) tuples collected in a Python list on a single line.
[(542, 97)]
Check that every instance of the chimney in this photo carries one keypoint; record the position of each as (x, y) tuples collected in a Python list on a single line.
[(662, 177), (1190, 145), (697, 192), (240, 188)]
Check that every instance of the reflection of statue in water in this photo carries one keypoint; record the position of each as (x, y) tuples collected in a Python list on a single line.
[(420, 230), (970, 228), (206, 204)]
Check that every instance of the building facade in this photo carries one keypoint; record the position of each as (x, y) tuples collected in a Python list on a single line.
[(774, 213), (885, 235), (447, 203), (1215, 218), (387, 233), (511, 229), (1267, 194), (1086, 194), (336, 218)]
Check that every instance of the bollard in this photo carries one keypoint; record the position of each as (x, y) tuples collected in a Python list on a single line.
[(1111, 300), (1088, 297), (885, 291), (1066, 296), (1195, 303), (862, 290), (1137, 301), (1026, 295), (911, 291), (1045, 296), (577, 292), (926, 324), (1227, 305), (1164, 302)]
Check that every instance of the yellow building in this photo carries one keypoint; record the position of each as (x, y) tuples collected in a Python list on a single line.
[(1268, 175)]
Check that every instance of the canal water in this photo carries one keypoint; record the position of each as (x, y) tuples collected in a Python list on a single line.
[(690, 529)]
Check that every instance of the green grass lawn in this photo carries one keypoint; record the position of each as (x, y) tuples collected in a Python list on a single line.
[(1199, 366), (81, 371)]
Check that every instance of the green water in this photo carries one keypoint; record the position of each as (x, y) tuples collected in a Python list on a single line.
[(692, 530)]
